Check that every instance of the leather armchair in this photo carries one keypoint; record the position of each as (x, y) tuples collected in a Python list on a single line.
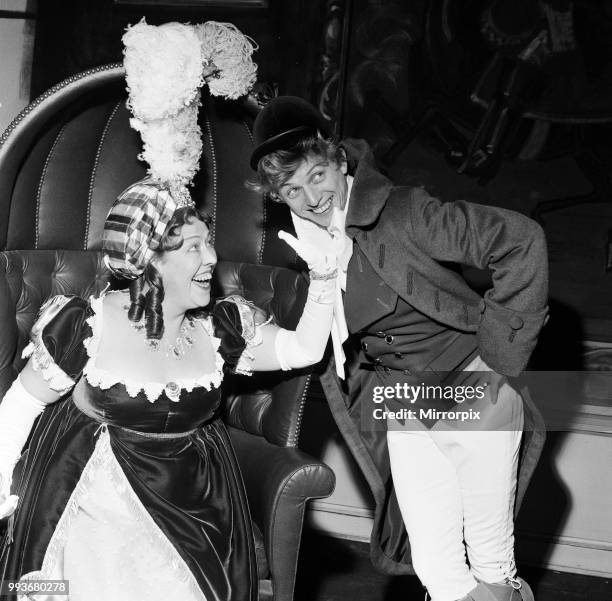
[(63, 161)]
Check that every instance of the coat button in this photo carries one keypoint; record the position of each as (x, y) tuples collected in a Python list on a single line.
[(389, 339), (399, 355), (377, 361), (516, 323)]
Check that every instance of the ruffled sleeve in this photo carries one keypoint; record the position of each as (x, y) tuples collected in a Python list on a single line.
[(56, 344), (237, 324)]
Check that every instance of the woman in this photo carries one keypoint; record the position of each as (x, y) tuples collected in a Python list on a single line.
[(130, 489)]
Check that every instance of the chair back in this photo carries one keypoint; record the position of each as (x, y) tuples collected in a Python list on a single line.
[(63, 161)]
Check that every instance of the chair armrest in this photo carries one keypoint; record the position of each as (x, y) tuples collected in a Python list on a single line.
[(279, 481)]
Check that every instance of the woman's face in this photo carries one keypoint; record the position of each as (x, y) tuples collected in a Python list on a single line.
[(187, 271)]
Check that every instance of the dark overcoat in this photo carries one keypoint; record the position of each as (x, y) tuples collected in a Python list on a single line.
[(410, 238)]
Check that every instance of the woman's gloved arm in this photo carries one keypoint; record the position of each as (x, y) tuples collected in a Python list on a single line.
[(292, 349), (18, 412), (306, 344)]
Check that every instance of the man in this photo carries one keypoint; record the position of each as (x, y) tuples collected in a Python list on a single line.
[(414, 320)]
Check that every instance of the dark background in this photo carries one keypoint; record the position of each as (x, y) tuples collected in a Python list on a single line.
[(398, 74), (401, 75), (73, 35)]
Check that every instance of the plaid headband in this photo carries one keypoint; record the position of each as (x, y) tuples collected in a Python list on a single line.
[(135, 226)]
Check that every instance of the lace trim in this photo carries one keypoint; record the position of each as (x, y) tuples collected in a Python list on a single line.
[(103, 458), (42, 361), (153, 390), (251, 332)]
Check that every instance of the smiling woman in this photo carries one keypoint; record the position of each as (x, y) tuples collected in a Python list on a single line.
[(187, 270), (131, 489), (176, 277), (143, 430)]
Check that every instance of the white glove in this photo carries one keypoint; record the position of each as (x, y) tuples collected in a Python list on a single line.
[(322, 268), (317, 261), (306, 345), (18, 411), (9, 502)]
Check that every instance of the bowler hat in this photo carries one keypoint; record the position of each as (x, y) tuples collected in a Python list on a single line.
[(282, 123)]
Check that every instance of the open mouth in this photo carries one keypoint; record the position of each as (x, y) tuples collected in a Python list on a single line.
[(203, 280), (324, 207)]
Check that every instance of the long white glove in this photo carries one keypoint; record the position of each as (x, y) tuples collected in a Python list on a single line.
[(18, 411), (306, 345)]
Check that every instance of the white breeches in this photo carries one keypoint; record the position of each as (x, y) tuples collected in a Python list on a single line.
[(456, 491)]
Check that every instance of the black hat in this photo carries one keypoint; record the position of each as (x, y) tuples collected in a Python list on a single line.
[(282, 123)]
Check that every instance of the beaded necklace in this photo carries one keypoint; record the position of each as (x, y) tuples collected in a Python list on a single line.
[(181, 345)]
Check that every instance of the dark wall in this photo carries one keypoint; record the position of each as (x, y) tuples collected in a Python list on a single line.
[(403, 74), (74, 35)]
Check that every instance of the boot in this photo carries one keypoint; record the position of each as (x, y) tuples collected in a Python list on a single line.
[(512, 590)]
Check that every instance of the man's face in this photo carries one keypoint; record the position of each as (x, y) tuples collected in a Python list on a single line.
[(318, 185)]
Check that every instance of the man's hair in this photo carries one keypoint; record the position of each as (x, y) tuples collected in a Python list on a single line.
[(275, 168)]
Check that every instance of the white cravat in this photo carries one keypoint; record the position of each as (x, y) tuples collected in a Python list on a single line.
[(332, 240)]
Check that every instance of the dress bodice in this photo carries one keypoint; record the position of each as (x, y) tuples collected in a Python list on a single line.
[(130, 464), (116, 407), (64, 346)]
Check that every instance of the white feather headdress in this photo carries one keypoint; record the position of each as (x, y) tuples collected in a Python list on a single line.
[(166, 66)]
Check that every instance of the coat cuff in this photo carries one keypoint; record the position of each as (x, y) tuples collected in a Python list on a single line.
[(506, 338)]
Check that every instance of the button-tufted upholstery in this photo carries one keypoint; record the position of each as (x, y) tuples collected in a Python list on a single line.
[(63, 161), (27, 279), (69, 154)]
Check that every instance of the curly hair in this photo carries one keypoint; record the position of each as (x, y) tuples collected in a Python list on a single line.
[(275, 168), (149, 303)]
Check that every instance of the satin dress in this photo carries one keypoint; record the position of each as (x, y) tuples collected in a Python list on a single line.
[(131, 490)]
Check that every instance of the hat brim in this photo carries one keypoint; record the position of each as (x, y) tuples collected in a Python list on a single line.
[(282, 141)]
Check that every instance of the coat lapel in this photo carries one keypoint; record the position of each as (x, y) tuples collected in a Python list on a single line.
[(372, 222), (388, 255), (370, 188)]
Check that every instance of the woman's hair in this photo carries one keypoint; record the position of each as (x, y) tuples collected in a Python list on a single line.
[(149, 304), (277, 167)]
